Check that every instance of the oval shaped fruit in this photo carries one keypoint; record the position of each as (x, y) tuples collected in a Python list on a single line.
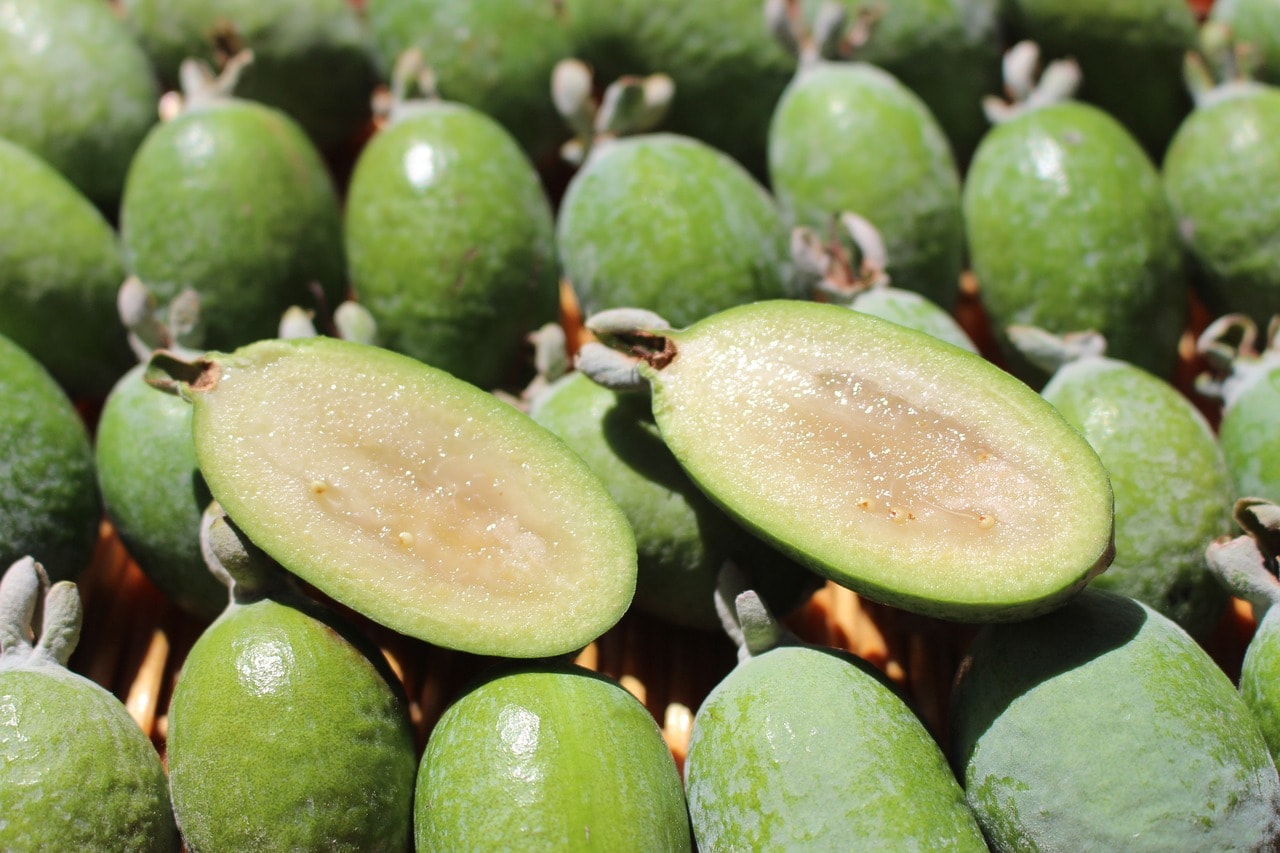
[(283, 733), (451, 241), (548, 756), (1102, 725), (895, 464), (49, 501), (231, 199), (668, 223), (806, 746), (78, 773), (411, 496)]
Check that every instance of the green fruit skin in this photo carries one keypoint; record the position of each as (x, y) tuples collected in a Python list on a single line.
[(910, 309), (1068, 229), (669, 224), (1260, 678), (153, 492), (497, 57), (78, 773), (60, 269), (806, 748), (283, 735), (1173, 490), (1249, 439), (1130, 55), (232, 200), (549, 756), (1102, 725), (49, 503), (682, 539), (312, 59), (451, 241), (1218, 176), (850, 137), (1257, 24), (77, 90)]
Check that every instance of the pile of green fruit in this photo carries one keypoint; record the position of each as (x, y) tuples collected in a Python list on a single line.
[(491, 324)]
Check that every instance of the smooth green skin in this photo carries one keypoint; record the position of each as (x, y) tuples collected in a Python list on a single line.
[(910, 309), (1104, 726), (283, 735), (1260, 678), (1217, 176), (669, 224), (78, 773), (49, 504), (1130, 54), (849, 137), (549, 756), (496, 56), (682, 539), (1173, 490), (1249, 438), (77, 89), (313, 59), (60, 268), (232, 200), (451, 241), (153, 492), (398, 423), (807, 748), (1068, 229), (1257, 24)]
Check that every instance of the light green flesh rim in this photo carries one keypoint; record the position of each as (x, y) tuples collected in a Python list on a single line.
[(899, 466), (414, 498)]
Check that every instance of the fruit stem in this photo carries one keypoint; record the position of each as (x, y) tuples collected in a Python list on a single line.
[(1050, 352), (1246, 565)]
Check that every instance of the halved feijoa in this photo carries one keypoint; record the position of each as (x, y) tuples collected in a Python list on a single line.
[(411, 496), (902, 467)]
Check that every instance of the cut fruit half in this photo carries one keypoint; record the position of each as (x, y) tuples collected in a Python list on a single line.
[(410, 496), (899, 466)]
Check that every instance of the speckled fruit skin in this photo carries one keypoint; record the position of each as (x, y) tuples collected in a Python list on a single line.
[(667, 223), (232, 200), (1260, 678), (313, 59), (153, 492), (1218, 175), (1256, 23), (1249, 438), (1172, 488), (548, 756), (284, 736), (451, 241), (850, 137), (49, 504), (802, 747), (1102, 725), (77, 89), (60, 268), (495, 56), (78, 773), (682, 538), (1130, 53), (1068, 229)]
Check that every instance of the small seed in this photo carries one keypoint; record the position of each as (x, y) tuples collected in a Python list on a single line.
[(318, 487), (406, 538), (986, 521)]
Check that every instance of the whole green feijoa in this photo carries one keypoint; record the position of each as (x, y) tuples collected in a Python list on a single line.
[(77, 90), (78, 773), (667, 223), (1217, 174), (229, 198), (451, 240), (287, 730), (1068, 229), (893, 463), (60, 266), (803, 746), (548, 756), (1173, 490), (1255, 23), (312, 59), (1102, 725), (49, 501), (848, 136)]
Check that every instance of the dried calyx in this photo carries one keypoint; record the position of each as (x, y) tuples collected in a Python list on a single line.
[(829, 36), (1220, 67), (850, 261), (38, 622), (629, 106), (626, 340), (1049, 352), (1230, 348), (1028, 86), (1246, 564)]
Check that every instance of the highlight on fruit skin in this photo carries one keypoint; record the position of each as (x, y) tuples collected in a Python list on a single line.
[(904, 468)]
